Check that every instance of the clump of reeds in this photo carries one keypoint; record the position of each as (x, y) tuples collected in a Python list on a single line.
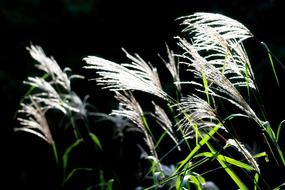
[(214, 54)]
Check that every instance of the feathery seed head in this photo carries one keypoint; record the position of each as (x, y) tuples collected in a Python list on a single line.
[(228, 27), (50, 66), (35, 121), (242, 149), (164, 121), (219, 85), (137, 75), (199, 113), (131, 110)]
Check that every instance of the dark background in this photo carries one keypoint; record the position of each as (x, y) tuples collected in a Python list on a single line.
[(69, 30)]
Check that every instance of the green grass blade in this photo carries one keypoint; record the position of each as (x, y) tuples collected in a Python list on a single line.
[(280, 154), (198, 181), (66, 154), (178, 183), (160, 139), (102, 180), (226, 167), (235, 162), (110, 184), (271, 62), (55, 153), (203, 141), (270, 132), (274, 140), (193, 178), (231, 173), (259, 155), (256, 178), (278, 130), (96, 140), (228, 160), (73, 172)]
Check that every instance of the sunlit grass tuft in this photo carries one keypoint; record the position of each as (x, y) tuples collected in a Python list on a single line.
[(190, 126)]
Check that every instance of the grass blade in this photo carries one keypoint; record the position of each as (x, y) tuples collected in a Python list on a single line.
[(55, 153), (96, 140), (73, 172), (202, 142), (271, 62), (227, 159), (66, 155), (278, 130), (231, 173), (256, 178)]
